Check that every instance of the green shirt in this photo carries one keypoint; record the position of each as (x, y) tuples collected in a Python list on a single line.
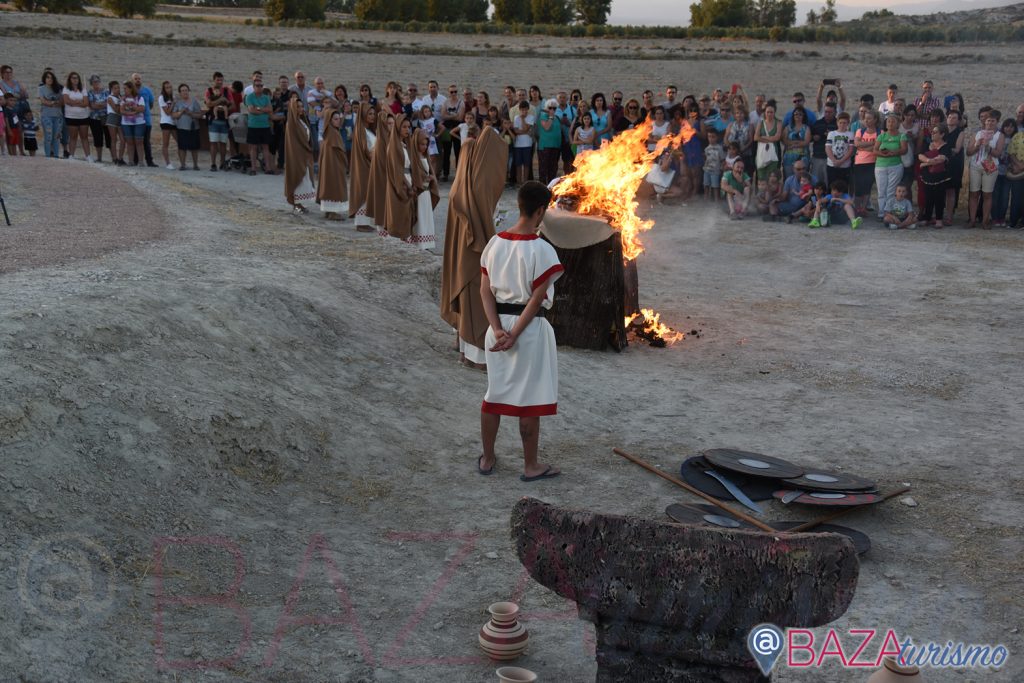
[(254, 100), (548, 139), (890, 143), (734, 182)]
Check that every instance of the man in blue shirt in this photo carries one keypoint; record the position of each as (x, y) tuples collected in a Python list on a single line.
[(798, 101), (146, 94)]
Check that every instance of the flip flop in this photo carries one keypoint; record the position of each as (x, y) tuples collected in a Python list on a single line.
[(482, 471), (546, 474)]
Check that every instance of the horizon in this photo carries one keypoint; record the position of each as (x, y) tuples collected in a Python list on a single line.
[(660, 12)]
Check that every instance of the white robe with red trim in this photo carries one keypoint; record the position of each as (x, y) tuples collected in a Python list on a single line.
[(522, 381)]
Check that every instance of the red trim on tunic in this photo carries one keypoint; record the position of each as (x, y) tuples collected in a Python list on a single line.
[(519, 411), (557, 268), (516, 236)]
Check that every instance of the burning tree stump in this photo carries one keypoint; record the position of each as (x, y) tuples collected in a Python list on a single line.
[(594, 296), (675, 603)]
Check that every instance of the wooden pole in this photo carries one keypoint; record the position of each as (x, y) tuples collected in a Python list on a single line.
[(697, 492), (839, 513)]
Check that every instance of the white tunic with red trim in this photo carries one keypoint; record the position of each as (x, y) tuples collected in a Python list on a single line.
[(522, 381)]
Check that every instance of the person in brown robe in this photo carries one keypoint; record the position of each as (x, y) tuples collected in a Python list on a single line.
[(364, 140), (298, 155), (424, 184), (400, 200), (479, 182), (377, 186), (332, 185)]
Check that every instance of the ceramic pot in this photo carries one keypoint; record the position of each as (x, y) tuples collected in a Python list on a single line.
[(891, 672), (503, 637), (513, 674)]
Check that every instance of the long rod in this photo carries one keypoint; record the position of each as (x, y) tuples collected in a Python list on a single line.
[(839, 513), (697, 492)]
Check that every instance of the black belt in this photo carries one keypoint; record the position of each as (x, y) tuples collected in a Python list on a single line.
[(516, 309)]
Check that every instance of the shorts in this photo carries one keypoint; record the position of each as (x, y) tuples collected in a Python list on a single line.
[(31, 145), (13, 135), (76, 122), (712, 179), (167, 126), (863, 179), (522, 156), (113, 120), (188, 140), (135, 131), (218, 136), (259, 136), (981, 181)]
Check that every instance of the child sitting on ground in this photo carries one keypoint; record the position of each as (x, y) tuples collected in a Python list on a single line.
[(901, 212), (763, 197), (835, 208), (517, 285), (736, 187), (807, 211)]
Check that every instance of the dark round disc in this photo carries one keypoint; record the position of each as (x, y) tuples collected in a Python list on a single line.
[(752, 464), (702, 514), (823, 480), (832, 498), (756, 488)]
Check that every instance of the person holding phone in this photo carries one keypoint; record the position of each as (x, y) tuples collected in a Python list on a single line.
[(836, 96)]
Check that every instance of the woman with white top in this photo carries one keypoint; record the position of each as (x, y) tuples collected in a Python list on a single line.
[(113, 123), (659, 128), (984, 150), (585, 134), (76, 114), (167, 124)]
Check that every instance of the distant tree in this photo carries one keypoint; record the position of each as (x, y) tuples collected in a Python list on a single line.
[(126, 9), (878, 14), (708, 13), (592, 11), (370, 10), (812, 17), (772, 12), (475, 10), (281, 10), (512, 11), (313, 10), (444, 10), (550, 11), (828, 15), (26, 5)]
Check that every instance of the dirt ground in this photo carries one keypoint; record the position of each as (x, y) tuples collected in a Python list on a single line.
[(238, 447)]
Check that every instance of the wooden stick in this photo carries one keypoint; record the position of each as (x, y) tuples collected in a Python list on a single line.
[(697, 492), (839, 513)]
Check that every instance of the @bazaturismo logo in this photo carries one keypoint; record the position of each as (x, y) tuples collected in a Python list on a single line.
[(865, 647)]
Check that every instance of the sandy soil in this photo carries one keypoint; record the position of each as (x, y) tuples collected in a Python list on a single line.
[(277, 395)]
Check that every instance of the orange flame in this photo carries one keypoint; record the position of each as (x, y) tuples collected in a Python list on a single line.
[(606, 180), (653, 326)]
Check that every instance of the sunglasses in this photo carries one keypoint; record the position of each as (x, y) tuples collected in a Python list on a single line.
[(616, 99), (453, 92)]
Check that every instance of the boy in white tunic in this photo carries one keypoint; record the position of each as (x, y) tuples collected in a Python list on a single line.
[(518, 272)]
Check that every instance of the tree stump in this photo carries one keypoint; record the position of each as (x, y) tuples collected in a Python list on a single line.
[(594, 296), (675, 603)]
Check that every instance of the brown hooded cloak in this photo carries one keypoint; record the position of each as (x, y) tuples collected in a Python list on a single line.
[(479, 181), (377, 186), (419, 176), (400, 199), (298, 156), (361, 158), (332, 186)]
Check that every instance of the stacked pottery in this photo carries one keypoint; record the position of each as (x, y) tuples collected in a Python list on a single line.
[(891, 672), (503, 637)]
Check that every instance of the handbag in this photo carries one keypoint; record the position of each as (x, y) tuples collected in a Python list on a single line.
[(766, 152), (989, 166)]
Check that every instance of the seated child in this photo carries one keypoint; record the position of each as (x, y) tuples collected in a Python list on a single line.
[(835, 207), (763, 196), (736, 188), (807, 211), (901, 211), (732, 153)]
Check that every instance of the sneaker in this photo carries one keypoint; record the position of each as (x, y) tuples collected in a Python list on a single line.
[(150, 164), (892, 226), (213, 167), (912, 226), (88, 157), (814, 224), (855, 223), (170, 167)]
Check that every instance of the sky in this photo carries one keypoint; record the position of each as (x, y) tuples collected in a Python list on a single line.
[(677, 12)]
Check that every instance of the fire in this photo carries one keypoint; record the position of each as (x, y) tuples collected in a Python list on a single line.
[(648, 324), (606, 180)]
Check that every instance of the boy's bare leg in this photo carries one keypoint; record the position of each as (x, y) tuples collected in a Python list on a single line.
[(489, 423), (529, 431)]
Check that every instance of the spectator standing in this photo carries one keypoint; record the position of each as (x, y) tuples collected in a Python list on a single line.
[(797, 141), (837, 97), (279, 102), (451, 119), (549, 142), (165, 104), (602, 119), (1015, 175), (12, 122), (889, 106), (956, 140), (819, 137), (741, 132), (798, 103), (76, 114), (890, 146), (315, 100), (133, 122), (522, 150), (1001, 193), (927, 101), (714, 159), (186, 113), (839, 149), (934, 177), (147, 97), (435, 100), (258, 134), (218, 107), (630, 118), (9, 85), (97, 95), (984, 149), (864, 162), (583, 137), (29, 127), (911, 128), (113, 123), (566, 114), (767, 135)]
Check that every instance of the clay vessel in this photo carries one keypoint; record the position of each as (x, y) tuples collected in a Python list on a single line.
[(513, 674), (891, 672), (503, 637)]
